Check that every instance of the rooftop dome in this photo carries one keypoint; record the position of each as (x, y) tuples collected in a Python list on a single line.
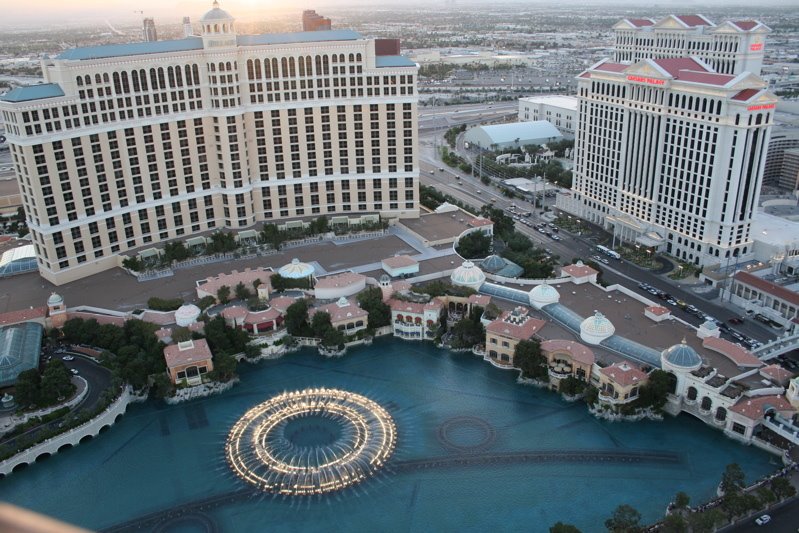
[(296, 270), (186, 315), (544, 294), (682, 356), (55, 299), (468, 275), (597, 328), (216, 14), (492, 263)]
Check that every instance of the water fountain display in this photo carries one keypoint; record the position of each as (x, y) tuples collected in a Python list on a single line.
[(311, 441)]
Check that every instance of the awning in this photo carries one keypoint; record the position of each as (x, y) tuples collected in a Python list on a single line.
[(149, 252), (650, 239), (248, 234), (196, 241)]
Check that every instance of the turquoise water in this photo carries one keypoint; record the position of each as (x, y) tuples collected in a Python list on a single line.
[(161, 456)]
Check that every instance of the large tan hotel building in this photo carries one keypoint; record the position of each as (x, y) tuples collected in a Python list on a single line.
[(126, 146)]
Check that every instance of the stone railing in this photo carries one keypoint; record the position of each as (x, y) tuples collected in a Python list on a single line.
[(75, 400)]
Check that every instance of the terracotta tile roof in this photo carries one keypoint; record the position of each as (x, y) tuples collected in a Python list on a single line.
[(234, 312), (578, 271), (212, 284), (339, 280), (754, 408), (737, 354), (746, 25), (282, 303), (100, 318), (577, 351), (777, 373), (479, 299), (658, 310), (185, 353), (746, 94), (160, 318), (163, 333), (507, 326), (693, 20), (478, 222), (624, 374), (406, 307), (688, 69), (258, 317), (400, 261), (436, 303), (768, 287), (340, 313), (23, 315), (585, 75)]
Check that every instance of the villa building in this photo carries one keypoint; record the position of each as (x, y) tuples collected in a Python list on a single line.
[(619, 383), (567, 358), (415, 320), (254, 322), (503, 334), (188, 361), (345, 315), (210, 286), (126, 146)]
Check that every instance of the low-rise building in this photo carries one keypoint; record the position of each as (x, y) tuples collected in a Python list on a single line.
[(210, 286), (558, 110), (20, 347), (619, 383), (345, 315), (339, 286), (567, 358), (400, 265), (188, 361), (767, 298), (503, 334), (415, 320), (253, 322)]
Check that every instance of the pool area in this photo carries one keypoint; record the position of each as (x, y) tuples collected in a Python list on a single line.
[(474, 451)]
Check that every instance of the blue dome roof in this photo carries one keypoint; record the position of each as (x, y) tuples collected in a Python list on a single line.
[(682, 355), (493, 263)]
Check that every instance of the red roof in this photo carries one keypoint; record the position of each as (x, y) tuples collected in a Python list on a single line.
[(577, 351), (746, 25), (777, 373), (746, 94), (640, 23), (585, 75), (343, 279), (520, 329), (160, 318), (479, 299), (184, 353), (234, 312), (342, 312), (658, 310), (23, 315), (688, 69), (693, 20), (578, 271), (100, 318), (624, 374), (480, 222), (611, 67), (763, 285), (754, 408), (737, 354), (406, 307), (259, 317)]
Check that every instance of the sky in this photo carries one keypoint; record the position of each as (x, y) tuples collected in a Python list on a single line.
[(31, 11)]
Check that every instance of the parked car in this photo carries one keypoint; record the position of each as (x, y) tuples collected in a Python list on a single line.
[(735, 320), (74, 371), (671, 301), (68, 358), (762, 520)]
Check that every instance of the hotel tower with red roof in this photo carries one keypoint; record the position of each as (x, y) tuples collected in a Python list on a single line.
[(672, 136)]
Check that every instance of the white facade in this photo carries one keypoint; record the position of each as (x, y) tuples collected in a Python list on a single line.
[(732, 47), (126, 146), (669, 155), (560, 111)]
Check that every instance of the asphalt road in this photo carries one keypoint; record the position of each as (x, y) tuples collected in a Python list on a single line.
[(784, 519)]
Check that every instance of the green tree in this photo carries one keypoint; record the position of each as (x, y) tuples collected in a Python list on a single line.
[(320, 323), (132, 263), (766, 496), (224, 366), (333, 338), (705, 521), (26, 389), (56, 383), (474, 245), (242, 292), (572, 386), (527, 357), (681, 500), (371, 301), (223, 294), (181, 334), (674, 523), (162, 386), (296, 319), (160, 304), (175, 251), (732, 480), (251, 351), (560, 527), (625, 519), (782, 488), (206, 302)]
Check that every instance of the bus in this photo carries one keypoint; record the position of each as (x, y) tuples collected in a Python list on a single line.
[(608, 252)]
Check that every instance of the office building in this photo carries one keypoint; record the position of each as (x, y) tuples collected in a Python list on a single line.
[(311, 21), (558, 110), (732, 47), (148, 32), (127, 146), (782, 164)]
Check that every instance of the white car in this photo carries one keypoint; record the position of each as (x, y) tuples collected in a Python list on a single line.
[(67, 358), (74, 371), (763, 520)]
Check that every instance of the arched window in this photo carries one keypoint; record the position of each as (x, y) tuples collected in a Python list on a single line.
[(284, 67), (692, 393), (308, 66), (97, 79), (216, 28), (267, 69), (301, 66), (352, 57), (250, 70), (292, 71), (275, 71), (257, 69), (105, 77), (721, 414), (79, 80)]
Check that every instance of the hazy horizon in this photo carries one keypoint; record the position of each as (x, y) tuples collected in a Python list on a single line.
[(46, 12)]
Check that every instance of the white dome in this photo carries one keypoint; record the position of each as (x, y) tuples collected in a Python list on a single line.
[(468, 275), (216, 15), (544, 294), (597, 328), (55, 299), (296, 270), (187, 315)]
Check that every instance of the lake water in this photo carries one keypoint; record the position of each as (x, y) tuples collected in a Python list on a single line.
[(445, 405)]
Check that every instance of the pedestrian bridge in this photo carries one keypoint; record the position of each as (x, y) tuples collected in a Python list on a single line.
[(777, 347), (73, 437)]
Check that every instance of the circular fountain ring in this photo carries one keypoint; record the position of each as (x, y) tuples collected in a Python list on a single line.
[(311, 442)]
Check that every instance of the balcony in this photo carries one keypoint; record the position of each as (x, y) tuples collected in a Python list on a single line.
[(607, 398), (560, 371)]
